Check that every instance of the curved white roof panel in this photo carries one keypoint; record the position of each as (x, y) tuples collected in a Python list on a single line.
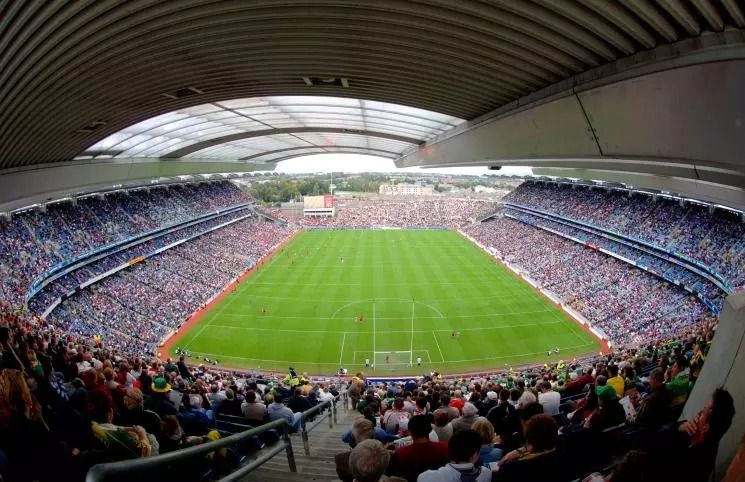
[(242, 128)]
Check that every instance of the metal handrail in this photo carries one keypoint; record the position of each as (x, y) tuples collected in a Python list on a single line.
[(102, 472), (305, 428)]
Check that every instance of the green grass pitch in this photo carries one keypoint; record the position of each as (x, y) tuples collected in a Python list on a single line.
[(413, 289)]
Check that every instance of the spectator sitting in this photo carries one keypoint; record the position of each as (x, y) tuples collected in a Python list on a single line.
[(359, 428), (488, 453), (158, 400), (277, 410), (230, 406), (615, 381), (362, 429), (368, 461), (695, 442), (610, 412), (443, 428), (540, 438), (452, 412), (392, 418), (422, 454), (253, 411), (134, 413), (298, 402), (470, 415), (504, 419), (457, 401), (549, 399), (463, 449), (656, 408), (117, 443)]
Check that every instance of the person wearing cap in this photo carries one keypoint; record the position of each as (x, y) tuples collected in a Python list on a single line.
[(609, 413), (159, 401)]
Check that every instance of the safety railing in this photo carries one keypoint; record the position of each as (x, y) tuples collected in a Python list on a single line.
[(131, 469), (306, 427)]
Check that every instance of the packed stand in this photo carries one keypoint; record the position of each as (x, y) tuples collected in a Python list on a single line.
[(32, 242), (617, 413), (629, 305), (399, 212), (142, 305), (633, 253), (712, 237), (75, 402)]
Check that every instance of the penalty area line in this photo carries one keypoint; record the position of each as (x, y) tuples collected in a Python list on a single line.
[(434, 335)]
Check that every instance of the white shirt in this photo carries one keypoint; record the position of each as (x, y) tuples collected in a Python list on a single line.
[(449, 473), (550, 401)]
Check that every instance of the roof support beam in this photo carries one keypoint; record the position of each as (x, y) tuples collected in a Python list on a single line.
[(268, 132)]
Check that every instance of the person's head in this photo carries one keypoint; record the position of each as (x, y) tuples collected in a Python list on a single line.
[(541, 433), (251, 396), (718, 414), (269, 398), (421, 403), (470, 410), (657, 378), (441, 418), (419, 427), (546, 386), (606, 395), (515, 394), (445, 399), (15, 391), (464, 446), (679, 364), (278, 398), (133, 398), (527, 398), (504, 396), (100, 407), (368, 461), (634, 467), (398, 404), (485, 429), (229, 394), (362, 429), (612, 371)]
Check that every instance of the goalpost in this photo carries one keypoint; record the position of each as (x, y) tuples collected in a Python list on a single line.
[(397, 358)]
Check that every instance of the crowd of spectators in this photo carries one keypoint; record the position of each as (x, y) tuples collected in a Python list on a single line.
[(33, 241), (75, 402), (628, 304), (140, 306), (712, 237), (551, 423), (404, 212)]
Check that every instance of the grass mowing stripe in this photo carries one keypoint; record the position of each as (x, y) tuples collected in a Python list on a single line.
[(407, 286)]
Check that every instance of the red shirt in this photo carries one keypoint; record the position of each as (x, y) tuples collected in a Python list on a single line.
[(410, 461), (458, 403)]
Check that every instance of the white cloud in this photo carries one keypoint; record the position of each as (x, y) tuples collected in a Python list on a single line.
[(361, 163)]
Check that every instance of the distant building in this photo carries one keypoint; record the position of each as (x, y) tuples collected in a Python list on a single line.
[(404, 189)]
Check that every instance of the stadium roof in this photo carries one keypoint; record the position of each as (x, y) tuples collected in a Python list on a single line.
[(555, 80), (263, 129)]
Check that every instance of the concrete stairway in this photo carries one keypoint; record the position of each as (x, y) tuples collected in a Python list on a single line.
[(325, 442)]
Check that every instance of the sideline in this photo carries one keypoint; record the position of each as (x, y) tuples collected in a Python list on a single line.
[(604, 346), (197, 316)]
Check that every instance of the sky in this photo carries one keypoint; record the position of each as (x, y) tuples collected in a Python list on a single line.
[(361, 163)]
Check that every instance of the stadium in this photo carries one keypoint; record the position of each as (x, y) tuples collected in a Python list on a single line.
[(174, 305)]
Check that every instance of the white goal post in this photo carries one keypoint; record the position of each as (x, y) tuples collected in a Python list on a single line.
[(383, 359)]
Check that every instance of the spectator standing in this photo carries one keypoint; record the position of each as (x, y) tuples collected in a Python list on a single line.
[(463, 451), (422, 454)]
